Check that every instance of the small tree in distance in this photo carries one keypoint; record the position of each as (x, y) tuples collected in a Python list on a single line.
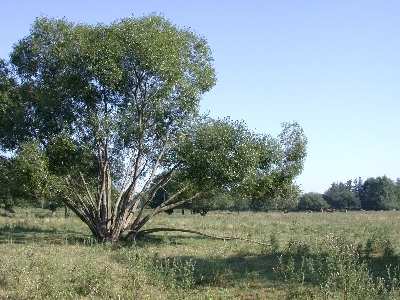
[(7, 200), (124, 101), (32, 179)]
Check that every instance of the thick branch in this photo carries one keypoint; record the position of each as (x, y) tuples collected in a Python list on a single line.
[(163, 207), (83, 214), (153, 191), (127, 178), (89, 201), (226, 238)]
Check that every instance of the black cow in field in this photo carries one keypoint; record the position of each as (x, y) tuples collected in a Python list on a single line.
[(9, 208), (202, 212), (170, 211)]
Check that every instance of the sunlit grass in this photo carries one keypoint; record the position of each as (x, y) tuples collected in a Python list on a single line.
[(47, 257)]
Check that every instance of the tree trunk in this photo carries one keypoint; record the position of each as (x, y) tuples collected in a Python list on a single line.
[(67, 212)]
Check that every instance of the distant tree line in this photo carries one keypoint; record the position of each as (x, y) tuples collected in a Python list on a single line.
[(380, 193)]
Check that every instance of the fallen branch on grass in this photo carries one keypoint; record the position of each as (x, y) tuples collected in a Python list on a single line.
[(226, 238)]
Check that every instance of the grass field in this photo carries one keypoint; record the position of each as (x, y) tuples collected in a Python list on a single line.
[(353, 255)]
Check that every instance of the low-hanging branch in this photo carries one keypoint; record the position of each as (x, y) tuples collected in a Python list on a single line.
[(225, 238)]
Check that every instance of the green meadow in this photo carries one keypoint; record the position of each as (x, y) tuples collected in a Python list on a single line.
[(353, 255)]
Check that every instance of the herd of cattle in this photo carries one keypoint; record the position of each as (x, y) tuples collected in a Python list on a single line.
[(328, 210)]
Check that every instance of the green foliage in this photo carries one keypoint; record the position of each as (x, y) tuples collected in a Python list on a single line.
[(215, 199), (108, 102), (115, 108), (379, 194), (357, 187), (340, 196), (234, 168), (7, 84), (397, 184), (312, 201), (66, 156), (12, 109), (218, 199), (6, 189), (274, 240), (260, 205), (31, 177), (281, 160), (254, 168), (336, 271), (224, 152)]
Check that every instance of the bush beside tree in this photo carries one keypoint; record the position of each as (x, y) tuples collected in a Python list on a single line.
[(312, 201)]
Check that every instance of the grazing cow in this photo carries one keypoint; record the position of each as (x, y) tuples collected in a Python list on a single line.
[(330, 210), (9, 208), (53, 208), (170, 211), (286, 211), (343, 210)]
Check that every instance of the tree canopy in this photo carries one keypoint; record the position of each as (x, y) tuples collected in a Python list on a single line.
[(116, 110), (340, 196), (312, 201), (379, 194)]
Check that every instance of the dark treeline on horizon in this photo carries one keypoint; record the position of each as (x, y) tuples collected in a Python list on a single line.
[(380, 193)]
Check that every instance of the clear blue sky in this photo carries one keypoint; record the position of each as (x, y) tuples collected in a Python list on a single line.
[(332, 66)]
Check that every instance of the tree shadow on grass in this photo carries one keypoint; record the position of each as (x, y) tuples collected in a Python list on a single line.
[(265, 268), (218, 271), (165, 239), (20, 234), (235, 269)]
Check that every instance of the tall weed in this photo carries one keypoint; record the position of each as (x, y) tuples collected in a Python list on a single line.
[(333, 270)]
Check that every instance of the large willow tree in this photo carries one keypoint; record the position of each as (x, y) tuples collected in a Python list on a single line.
[(116, 108)]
